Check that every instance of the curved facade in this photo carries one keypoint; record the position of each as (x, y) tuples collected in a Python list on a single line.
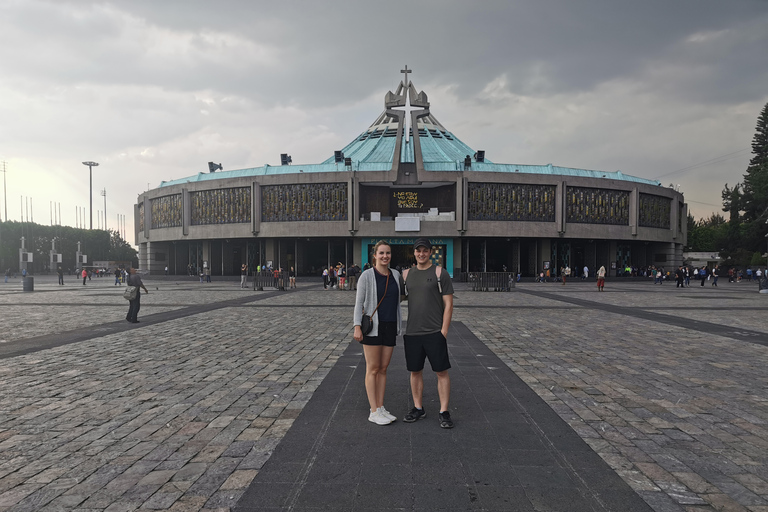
[(404, 177)]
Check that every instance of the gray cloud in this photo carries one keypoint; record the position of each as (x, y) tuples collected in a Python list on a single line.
[(156, 89)]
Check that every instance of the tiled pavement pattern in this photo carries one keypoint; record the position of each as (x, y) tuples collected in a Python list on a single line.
[(511, 453), (181, 414)]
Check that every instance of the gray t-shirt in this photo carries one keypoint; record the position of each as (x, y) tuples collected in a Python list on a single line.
[(425, 302)]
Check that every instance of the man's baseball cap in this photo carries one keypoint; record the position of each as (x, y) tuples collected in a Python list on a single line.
[(422, 242)]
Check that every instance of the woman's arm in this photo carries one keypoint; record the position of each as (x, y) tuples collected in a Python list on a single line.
[(362, 288)]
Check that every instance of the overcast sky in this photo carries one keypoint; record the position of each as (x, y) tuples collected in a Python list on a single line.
[(153, 90)]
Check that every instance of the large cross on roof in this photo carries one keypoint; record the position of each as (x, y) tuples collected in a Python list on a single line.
[(406, 71)]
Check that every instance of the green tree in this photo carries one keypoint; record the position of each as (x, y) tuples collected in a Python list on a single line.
[(754, 191), (38, 239), (708, 234)]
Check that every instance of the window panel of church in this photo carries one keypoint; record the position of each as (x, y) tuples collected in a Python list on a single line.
[(166, 211), (220, 206), (654, 211), (311, 202), (511, 202), (596, 206)]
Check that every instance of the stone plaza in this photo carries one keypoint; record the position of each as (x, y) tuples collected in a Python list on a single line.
[(662, 390)]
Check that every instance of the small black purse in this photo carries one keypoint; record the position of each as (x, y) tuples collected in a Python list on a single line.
[(366, 324)]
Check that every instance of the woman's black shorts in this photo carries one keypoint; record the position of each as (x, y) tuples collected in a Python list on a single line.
[(387, 335)]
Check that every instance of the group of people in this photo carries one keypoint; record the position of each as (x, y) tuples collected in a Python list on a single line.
[(683, 274), (341, 277), (429, 292)]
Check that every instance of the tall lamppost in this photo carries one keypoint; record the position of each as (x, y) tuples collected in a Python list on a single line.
[(91, 165), (104, 195)]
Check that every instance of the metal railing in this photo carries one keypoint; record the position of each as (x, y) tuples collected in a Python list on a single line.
[(491, 281), (270, 279)]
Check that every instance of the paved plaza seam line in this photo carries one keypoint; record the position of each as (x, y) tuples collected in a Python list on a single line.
[(38, 343), (726, 331)]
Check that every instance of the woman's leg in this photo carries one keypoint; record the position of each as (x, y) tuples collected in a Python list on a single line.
[(372, 355), (377, 359), (381, 377)]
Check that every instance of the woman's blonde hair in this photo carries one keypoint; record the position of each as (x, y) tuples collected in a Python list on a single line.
[(376, 249)]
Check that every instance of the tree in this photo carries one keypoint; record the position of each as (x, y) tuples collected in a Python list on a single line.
[(747, 203), (38, 239)]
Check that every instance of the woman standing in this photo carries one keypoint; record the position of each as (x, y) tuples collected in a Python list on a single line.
[(378, 295), (292, 277), (601, 279)]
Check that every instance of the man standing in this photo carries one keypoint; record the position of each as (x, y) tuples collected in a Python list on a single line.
[(430, 307), (680, 277), (60, 272), (352, 275), (243, 275)]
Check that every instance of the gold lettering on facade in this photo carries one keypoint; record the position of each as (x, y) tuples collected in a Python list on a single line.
[(407, 200)]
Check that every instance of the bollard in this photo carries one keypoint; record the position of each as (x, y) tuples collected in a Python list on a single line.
[(28, 284)]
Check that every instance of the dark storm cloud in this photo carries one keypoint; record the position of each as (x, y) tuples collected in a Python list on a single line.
[(326, 52)]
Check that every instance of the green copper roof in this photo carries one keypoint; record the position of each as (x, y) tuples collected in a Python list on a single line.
[(373, 150)]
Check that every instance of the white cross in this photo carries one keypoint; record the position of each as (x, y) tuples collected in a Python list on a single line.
[(407, 109), (406, 71)]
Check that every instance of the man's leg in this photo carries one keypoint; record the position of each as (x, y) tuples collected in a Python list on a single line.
[(417, 388), (443, 389)]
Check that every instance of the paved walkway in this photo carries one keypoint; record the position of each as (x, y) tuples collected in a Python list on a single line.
[(187, 410)]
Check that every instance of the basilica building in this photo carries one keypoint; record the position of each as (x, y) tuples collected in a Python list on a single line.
[(407, 176)]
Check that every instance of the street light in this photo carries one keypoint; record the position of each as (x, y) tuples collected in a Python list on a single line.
[(91, 165), (104, 194)]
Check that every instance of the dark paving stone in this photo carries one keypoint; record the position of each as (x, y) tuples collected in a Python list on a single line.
[(509, 450)]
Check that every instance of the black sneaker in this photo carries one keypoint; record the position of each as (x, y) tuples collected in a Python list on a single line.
[(415, 414), (445, 420)]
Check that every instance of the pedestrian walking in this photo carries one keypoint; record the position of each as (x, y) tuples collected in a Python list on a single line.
[(379, 293), (292, 277), (430, 308), (85, 276), (703, 275), (243, 275), (134, 279)]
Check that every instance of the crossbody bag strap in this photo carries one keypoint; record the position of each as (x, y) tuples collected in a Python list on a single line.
[(382, 297)]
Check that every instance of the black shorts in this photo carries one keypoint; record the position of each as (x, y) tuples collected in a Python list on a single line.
[(387, 335), (419, 347)]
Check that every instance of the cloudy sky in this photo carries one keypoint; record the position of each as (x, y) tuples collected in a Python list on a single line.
[(153, 90)]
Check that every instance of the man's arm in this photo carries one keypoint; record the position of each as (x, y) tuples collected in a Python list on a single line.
[(447, 314)]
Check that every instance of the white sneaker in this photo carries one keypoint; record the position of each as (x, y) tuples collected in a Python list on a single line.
[(387, 414), (377, 418)]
